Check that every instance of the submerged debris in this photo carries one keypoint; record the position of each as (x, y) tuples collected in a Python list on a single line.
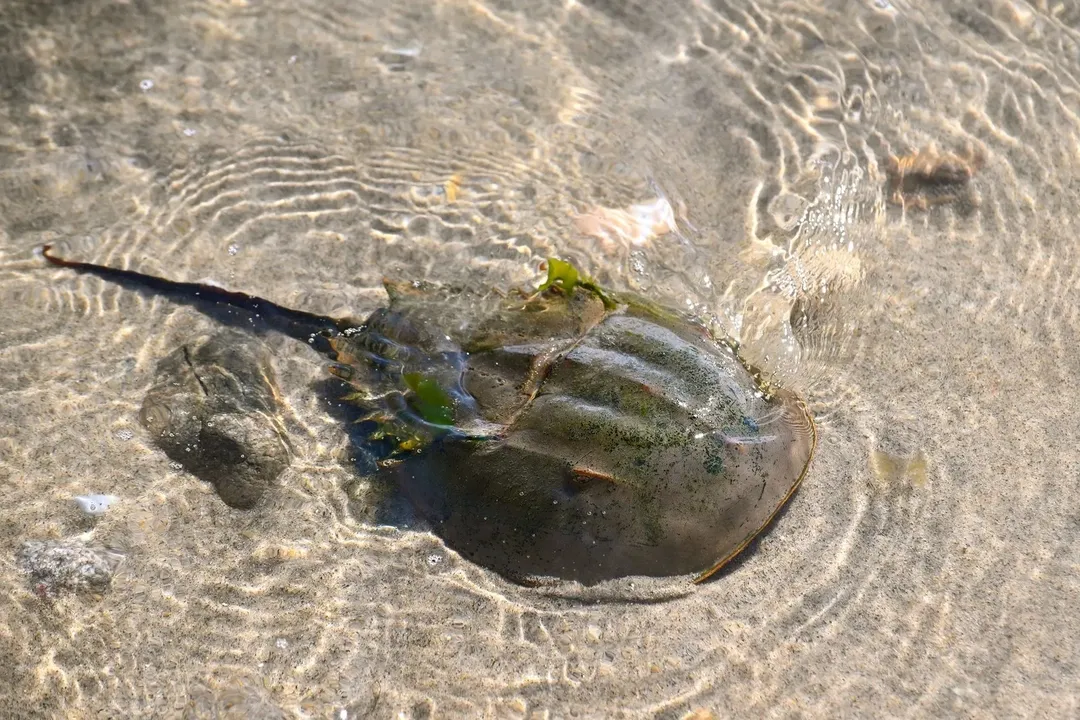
[(931, 177), (898, 471)]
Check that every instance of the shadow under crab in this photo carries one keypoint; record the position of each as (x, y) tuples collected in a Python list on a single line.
[(570, 433)]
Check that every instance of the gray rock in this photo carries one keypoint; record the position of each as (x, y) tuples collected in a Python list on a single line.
[(69, 564), (214, 410), (222, 699)]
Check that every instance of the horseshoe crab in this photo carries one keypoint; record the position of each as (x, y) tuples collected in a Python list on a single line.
[(571, 432)]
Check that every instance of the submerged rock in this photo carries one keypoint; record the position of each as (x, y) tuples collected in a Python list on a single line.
[(67, 565), (214, 410)]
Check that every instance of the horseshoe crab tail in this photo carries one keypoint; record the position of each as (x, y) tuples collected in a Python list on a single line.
[(255, 313)]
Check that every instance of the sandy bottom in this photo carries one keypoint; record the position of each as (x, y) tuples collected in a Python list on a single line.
[(734, 162)]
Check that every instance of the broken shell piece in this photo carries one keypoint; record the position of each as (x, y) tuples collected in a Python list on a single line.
[(95, 504), (634, 226)]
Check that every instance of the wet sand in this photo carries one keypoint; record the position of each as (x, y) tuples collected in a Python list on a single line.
[(726, 160)]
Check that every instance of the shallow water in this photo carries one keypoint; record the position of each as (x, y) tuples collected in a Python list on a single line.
[(728, 158)]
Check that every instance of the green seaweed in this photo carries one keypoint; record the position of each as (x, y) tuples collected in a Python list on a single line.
[(562, 275)]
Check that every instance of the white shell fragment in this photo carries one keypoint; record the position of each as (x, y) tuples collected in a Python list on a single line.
[(95, 504)]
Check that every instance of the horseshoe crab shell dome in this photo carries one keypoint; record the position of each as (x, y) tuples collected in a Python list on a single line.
[(588, 436)]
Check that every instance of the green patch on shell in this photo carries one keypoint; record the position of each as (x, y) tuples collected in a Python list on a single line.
[(432, 401)]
